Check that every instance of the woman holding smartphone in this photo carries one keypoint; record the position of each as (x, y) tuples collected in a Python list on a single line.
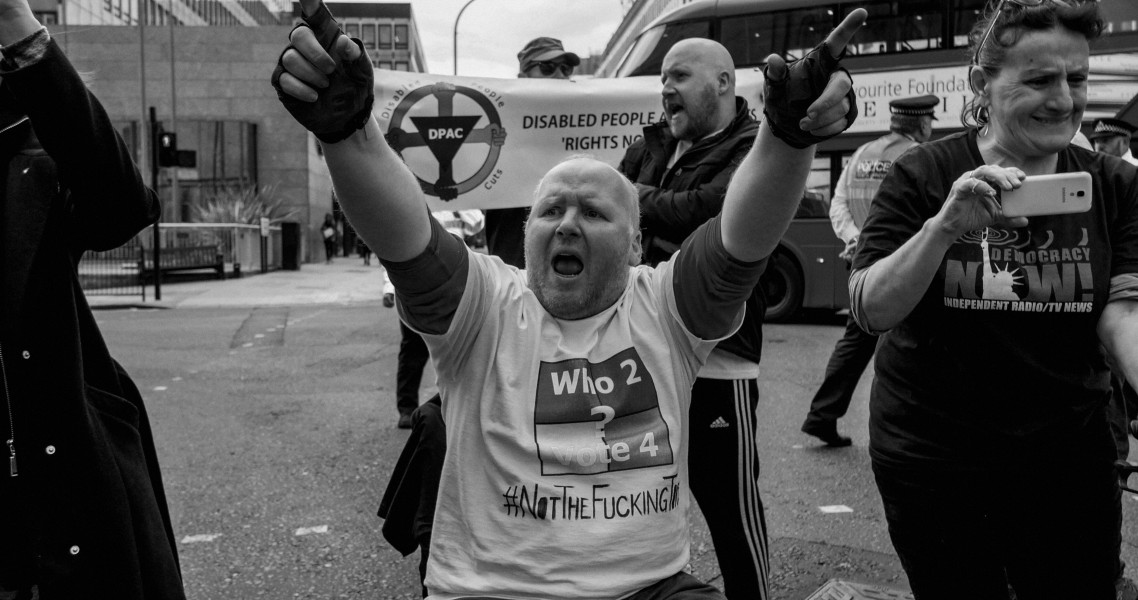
[(988, 435)]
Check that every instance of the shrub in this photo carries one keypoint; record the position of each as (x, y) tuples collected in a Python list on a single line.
[(241, 204)]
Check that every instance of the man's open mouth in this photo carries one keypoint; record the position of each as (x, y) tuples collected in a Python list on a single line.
[(673, 108), (567, 265)]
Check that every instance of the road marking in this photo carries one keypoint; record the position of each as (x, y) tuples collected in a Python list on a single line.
[(160, 388), (306, 317), (203, 537), (834, 509), (176, 379), (247, 345), (308, 530), (259, 335), (798, 446)]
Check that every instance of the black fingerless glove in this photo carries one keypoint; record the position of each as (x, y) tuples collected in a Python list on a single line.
[(344, 106), (787, 100)]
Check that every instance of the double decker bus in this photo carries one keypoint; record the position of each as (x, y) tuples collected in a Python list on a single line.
[(906, 48)]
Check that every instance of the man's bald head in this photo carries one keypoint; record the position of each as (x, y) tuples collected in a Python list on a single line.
[(585, 167), (710, 56), (699, 88)]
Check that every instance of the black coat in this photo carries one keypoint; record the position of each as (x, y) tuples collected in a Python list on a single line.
[(675, 202), (85, 516)]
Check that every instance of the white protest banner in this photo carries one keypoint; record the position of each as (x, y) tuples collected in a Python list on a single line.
[(485, 142)]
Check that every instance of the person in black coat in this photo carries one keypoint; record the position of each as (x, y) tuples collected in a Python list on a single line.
[(82, 508)]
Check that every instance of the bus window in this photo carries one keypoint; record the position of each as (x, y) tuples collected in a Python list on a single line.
[(791, 33), (965, 14), (749, 39), (800, 30), (1121, 16), (647, 55), (818, 181), (888, 30)]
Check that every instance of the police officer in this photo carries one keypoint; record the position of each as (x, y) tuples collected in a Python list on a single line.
[(1112, 136), (910, 124)]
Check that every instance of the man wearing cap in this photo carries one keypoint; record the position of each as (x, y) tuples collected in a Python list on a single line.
[(1112, 136), (541, 58), (910, 124)]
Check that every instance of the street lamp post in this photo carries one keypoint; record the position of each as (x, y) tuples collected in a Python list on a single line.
[(455, 42)]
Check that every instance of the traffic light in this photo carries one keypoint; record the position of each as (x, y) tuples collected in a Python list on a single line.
[(167, 149)]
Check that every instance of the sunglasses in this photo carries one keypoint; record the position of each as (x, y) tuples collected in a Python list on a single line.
[(549, 68), (999, 11)]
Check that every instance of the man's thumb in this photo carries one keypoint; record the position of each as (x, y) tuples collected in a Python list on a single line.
[(776, 68)]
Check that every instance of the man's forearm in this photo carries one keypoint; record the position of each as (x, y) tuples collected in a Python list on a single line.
[(16, 21), (379, 193), (763, 196), (1118, 332)]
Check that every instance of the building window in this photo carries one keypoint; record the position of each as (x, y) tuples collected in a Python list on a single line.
[(401, 37), (368, 36), (352, 29), (400, 66), (384, 65), (385, 36), (47, 17)]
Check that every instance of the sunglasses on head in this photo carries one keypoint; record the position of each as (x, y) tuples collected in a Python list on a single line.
[(550, 67), (999, 11)]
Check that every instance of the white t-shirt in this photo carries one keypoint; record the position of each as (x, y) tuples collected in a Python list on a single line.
[(564, 439)]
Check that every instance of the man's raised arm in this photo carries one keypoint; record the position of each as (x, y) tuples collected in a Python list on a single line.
[(324, 79), (806, 102)]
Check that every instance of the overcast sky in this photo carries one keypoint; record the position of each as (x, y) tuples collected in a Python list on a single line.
[(492, 32)]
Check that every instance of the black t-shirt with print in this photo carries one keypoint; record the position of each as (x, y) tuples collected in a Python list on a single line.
[(1001, 358)]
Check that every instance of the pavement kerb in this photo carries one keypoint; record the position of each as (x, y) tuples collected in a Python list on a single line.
[(346, 281)]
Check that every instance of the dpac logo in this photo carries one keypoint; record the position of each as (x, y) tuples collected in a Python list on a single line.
[(464, 146)]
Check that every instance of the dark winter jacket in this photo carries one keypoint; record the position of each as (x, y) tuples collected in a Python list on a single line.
[(674, 202), (82, 510)]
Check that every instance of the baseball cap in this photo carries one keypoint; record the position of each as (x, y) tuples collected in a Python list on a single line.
[(544, 49)]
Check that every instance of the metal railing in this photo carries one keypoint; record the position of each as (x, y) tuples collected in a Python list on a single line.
[(116, 272), (125, 270)]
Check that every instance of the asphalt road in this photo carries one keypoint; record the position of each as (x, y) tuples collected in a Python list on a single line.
[(276, 435)]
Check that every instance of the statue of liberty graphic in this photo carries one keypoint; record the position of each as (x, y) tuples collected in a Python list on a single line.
[(997, 283)]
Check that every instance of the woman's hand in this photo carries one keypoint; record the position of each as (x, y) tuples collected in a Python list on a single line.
[(972, 203)]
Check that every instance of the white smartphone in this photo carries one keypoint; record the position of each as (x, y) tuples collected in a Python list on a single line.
[(1056, 194)]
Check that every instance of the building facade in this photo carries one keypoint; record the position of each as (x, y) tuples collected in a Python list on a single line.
[(210, 87), (236, 13), (387, 31)]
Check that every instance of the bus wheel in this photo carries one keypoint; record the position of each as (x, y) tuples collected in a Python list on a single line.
[(782, 285)]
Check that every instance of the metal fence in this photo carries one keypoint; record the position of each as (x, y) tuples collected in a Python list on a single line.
[(186, 250), (116, 272)]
